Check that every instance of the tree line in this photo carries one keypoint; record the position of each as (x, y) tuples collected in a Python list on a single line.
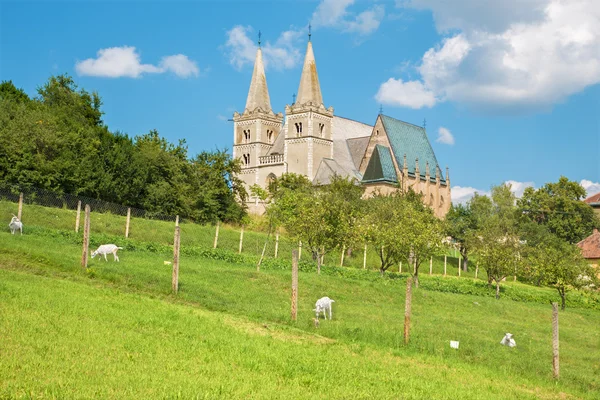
[(57, 141), (533, 237)]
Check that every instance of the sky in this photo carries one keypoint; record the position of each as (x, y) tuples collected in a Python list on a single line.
[(509, 91)]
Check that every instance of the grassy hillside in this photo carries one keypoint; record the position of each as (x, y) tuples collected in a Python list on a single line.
[(116, 331)]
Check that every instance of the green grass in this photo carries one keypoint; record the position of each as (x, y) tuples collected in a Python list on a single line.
[(116, 331)]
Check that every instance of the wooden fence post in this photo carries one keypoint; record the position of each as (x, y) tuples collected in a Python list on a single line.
[(445, 263), (276, 242), (299, 249), (20, 211), (407, 309), (216, 236), (365, 258), (86, 237), (127, 222), (459, 265), (431, 266), (241, 240), (176, 242), (294, 285), (343, 253), (555, 366), (77, 218), (177, 220), (400, 267)]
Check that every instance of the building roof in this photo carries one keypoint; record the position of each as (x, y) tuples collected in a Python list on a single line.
[(381, 166), (258, 95), (357, 148), (593, 200), (411, 140), (590, 246), (309, 89)]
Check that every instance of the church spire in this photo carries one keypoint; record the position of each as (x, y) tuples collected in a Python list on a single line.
[(309, 89), (258, 95)]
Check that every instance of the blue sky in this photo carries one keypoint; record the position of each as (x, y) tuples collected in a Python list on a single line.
[(510, 90)]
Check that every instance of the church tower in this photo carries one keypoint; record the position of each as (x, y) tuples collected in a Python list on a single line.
[(255, 130), (308, 124)]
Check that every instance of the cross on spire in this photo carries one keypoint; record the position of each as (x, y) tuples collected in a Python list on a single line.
[(259, 34), (309, 33), (294, 98), (381, 109)]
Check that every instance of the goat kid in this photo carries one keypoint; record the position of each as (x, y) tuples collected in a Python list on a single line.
[(15, 225), (323, 305), (107, 249)]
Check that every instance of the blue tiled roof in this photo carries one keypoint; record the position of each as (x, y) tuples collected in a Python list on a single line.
[(381, 166), (411, 140)]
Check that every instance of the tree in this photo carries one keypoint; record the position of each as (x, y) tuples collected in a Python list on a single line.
[(496, 241), (554, 262), (401, 228), (558, 206)]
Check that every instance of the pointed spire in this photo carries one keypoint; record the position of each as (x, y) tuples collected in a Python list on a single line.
[(447, 175), (427, 168), (258, 95), (309, 89), (417, 167), (437, 174)]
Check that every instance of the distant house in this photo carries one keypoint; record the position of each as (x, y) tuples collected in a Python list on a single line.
[(590, 248), (594, 201)]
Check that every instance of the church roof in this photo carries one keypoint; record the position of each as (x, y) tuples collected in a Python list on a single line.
[(309, 89), (258, 95), (278, 143), (411, 140), (590, 246), (357, 147), (381, 166)]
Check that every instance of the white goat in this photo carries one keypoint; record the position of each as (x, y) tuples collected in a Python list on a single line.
[(15, 225), (107, 249), (508, 340), (323, 304)]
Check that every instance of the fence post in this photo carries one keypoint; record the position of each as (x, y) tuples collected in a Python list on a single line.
[(299, 249), (400, 267), (177, 220), (127, 222), (459, 265), (216, 236), (407, 308), (86, 237), (343, 253), (445, 263), (365, 258), (555, 366), (77, 218), (176, 242), (294, 284), (431, 266), (276, 242), (20, 211), (241, 240)]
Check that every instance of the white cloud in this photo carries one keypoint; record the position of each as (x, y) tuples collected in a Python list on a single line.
[(411, 94), (445, 136), (116, 62), (333, 13), (590, 187), (519, 187), (509, 57), (461, 195), (282, 54)]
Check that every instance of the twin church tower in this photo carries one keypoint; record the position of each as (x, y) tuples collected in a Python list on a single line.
[(311, 141)]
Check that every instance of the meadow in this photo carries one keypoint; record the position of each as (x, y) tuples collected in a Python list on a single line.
[(115, 330)]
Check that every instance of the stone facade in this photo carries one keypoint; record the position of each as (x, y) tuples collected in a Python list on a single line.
[(309, 140)]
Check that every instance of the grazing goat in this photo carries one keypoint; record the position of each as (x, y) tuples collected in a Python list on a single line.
[(508, 340), (107, 249), (323, 304), (15, 225)]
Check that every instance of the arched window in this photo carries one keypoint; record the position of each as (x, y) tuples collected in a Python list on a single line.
[(269, 136), (270, 179), (321, 126), (247, 136)]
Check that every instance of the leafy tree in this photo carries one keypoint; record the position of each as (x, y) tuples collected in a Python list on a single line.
[(496, 240), (556, 263), (401, 227), (558, 206)]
